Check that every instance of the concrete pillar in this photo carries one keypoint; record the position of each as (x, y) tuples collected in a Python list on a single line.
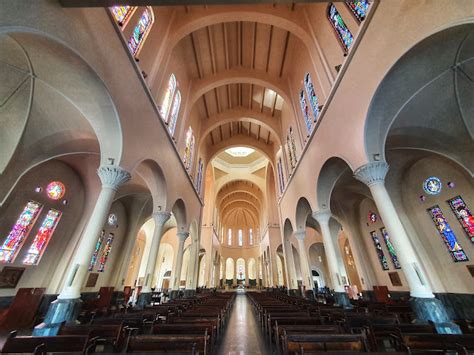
[(323, 217), (306, 273), (423, 301), (178, 263), (290, 265), (160, 219), (68, 304), (192, 274)]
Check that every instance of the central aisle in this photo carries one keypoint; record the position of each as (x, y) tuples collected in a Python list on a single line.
[(242, 335)]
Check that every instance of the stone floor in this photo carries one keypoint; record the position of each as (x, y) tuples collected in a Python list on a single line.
[(242, 335)]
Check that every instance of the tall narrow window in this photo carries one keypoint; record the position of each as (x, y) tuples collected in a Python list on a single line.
[(378, 249), (464, 215), (122, 14), (42, 238), (240, 237), (174, 112), (189, 149), (105, 252), (291, 146), (98, 245), (250, 236), (358, 8), (141, 30), (306, 115), (342, 32), (18, 234), (313, 99), (449, 238), (229, 236), (390, 248), (168, 98), (281, 179), (199, 176)]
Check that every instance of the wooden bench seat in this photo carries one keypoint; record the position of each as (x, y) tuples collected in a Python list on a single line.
[(316, 343), (377, 334), (303, 329), (193, 344), (110, 336), (436, 343)]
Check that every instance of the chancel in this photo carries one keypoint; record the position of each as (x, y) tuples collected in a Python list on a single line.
[(237, 177)]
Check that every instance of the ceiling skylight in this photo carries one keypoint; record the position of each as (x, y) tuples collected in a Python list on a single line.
[(239, 151)]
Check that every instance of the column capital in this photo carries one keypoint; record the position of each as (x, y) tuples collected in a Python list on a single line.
[(372, 173), (300, 235), (182, 235), (113, 177), (322, 216), (161, 217)]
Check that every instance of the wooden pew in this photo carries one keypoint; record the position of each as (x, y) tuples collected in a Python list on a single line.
[(22, 312), (188, 329), (191, 320), (318, 343), (424, 343), (377, 334), (42, 345), (109, 336), (194, 344), (303, 329)]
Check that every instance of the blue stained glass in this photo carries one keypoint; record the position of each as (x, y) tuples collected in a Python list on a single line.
[(378, 249), (140, 31), (391, 249), (96, 250), (343, 33), (359, 8), (280, 175), (449, 238), (305, 111), (313, 99)]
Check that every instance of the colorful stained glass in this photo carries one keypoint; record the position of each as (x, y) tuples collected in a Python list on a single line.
[(42, 238), (378, 249), (447, 234), (464, 215), (229, 236), (199, 176), (122, 13), (313, 99), (166, 104), (18, 234), (372, 217), (291, 147), (105, 252), (390, 248), (140, 31), (112, 220), (189, 149), (432, 185), (55, 190), (345, 36), (359, 8), (98, 245), (281, 178), (174, 112), (306, 115)]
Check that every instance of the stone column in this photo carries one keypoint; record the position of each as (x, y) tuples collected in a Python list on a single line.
[(290, 266), (160, 219), (178, 263), (340, 295), (306, 273), (67, 306), (426, 307), (192, 274), (224, 274)]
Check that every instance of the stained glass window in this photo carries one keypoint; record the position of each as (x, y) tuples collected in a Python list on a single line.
[(313, 99), (42, 238), (463, 215), (98, 245), (229, 236), (342, 32), (432, 185), (167, 99), (378, 249), (18, 234), (189, 149), (291, 147), (140, 31), (199, 176), (174, 112), (390, 248), (105, 252), (112, 220), (250, 236), (122, 13), (359, 8), (55, 190), (280, 176), (305, 110), (240, 237), (447, 234)]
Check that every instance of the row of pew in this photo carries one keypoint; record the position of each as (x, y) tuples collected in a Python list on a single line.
[(191, 326), (293, 325)]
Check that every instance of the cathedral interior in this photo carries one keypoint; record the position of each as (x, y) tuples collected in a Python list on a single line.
[(237, 177)]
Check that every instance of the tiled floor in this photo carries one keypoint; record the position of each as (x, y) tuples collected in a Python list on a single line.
[(242, 335)]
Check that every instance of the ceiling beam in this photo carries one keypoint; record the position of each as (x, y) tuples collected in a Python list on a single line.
[(269, 48), (106, 3), (263, 100), (258, 133), (212, 139), (274, 104), (287, 40)]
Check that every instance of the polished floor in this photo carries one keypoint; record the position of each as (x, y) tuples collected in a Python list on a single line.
[(242, 334)]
